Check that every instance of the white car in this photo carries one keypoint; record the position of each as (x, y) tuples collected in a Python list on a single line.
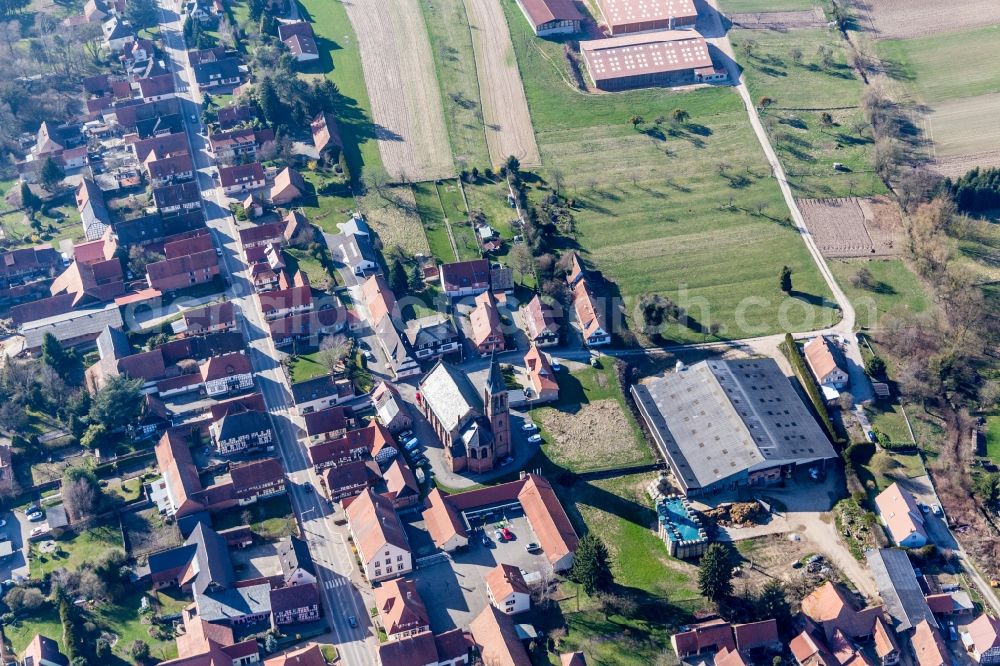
[(529, 427), (535, 439), (556, 366)]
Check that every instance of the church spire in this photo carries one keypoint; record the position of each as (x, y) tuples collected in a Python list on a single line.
[(495, 383)]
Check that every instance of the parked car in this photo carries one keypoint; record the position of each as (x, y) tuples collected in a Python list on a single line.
[(556, 366), (406, 434), (420, 461), (506, 461), (218, 251), (498, 535), (3, 523), (486, 541), (936, 508), (353, 621), (535, 439), (529, 427), (35, 517), (532, 547), (507, 534), (924, 508), (36, 531), (412, 444)]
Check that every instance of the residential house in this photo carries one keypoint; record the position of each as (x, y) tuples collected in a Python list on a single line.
[(465, 278), (400, 485), (241, 178), (257, 479), (233, 116), (43, 651), (501, 279), (25, 274), (297, 566), (117, 33), (311, 655), (300, 40), (239, 144), (188, 261), (6, 470), (378, 537), (541, 376), (379, 300), (451, 648), (401, 611), (591, 318), (347, 479), (432, 336), (357, 444), (293, 296), (541, 323), (294, 604), (310, 324), (327, 424), (984, 640), (213, 74), (177, 198), (211, 318), (572, 659), (487, 336), (174, 143), (886, 647), (496, 639), (551, 17), (444, 523), (928, 648), (320, 393), (902, 517), (326, 136), (169, 169), (241, 430), (156, 88), (288, 186), (72, 328), (154, 228), (829, 608), (507, 590), (390, 408), (827, 363), (396, 349), (297, 232), (356, 251), (226, 374), (94, 213)]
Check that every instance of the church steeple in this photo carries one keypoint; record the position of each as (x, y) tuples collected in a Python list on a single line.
[(498, 410), (495, 382)]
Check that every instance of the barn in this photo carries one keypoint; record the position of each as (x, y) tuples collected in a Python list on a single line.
[(665, 58), (626, 16), (551, 17)]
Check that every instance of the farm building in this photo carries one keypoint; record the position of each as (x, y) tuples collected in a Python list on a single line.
[(551, 17), (626, 16), (723, 424), (667, 58)]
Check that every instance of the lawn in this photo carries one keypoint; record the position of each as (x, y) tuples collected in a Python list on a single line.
[(591, 399), (124, 620), (889, 419), (621, 513), (332, 203), (307, 366), (340, 61), (653, 213), (74, 550), (455, 64), (303, 261), (896, 289), (928, 63), (807, 146), (440, 206), (271, 519), (993, 438), (44, 621)]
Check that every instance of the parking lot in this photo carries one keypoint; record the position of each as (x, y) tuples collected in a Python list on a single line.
[(454, 591)]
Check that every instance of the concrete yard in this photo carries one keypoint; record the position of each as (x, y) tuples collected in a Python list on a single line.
[(256, 561), (454, 592)]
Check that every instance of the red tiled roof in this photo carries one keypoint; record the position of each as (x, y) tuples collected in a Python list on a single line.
[(496, 638), (374, 523), (545, 11), (466, 274), (928, 647)]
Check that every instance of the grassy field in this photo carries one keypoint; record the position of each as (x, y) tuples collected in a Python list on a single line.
[(888, 418), (897, 289), (747, 6), (440, 205), (928, 63), (993, 438), (455, 64), (73, 551), (272, 519), (331, 205), (340, 61), (801, 90), (617, 444), (652, 211), (620, 512), (307, 366)]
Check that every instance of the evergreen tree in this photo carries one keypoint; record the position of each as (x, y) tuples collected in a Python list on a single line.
[(142, 13), (416, 279), (592, 565), (257, 9), (715, 573), (270, 104), (29, 200), (117, 403), (53, 354), (51, 174), (397, 277), (772, 604), (785, 279)]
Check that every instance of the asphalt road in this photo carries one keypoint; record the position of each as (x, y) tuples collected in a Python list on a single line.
[(327, 541)]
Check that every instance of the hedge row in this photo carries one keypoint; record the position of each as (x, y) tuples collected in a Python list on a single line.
[(809, 383)]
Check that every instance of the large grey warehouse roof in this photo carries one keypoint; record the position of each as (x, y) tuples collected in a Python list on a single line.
[(722, 419), (898, 586)]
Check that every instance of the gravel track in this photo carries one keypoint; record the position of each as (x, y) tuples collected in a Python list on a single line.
[(403, 87), (505, 107)]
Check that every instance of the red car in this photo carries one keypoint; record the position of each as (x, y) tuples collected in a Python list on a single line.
[(507, 534)]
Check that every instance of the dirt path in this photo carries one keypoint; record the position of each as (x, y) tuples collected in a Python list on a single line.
[(505, 108), (403, 87)]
